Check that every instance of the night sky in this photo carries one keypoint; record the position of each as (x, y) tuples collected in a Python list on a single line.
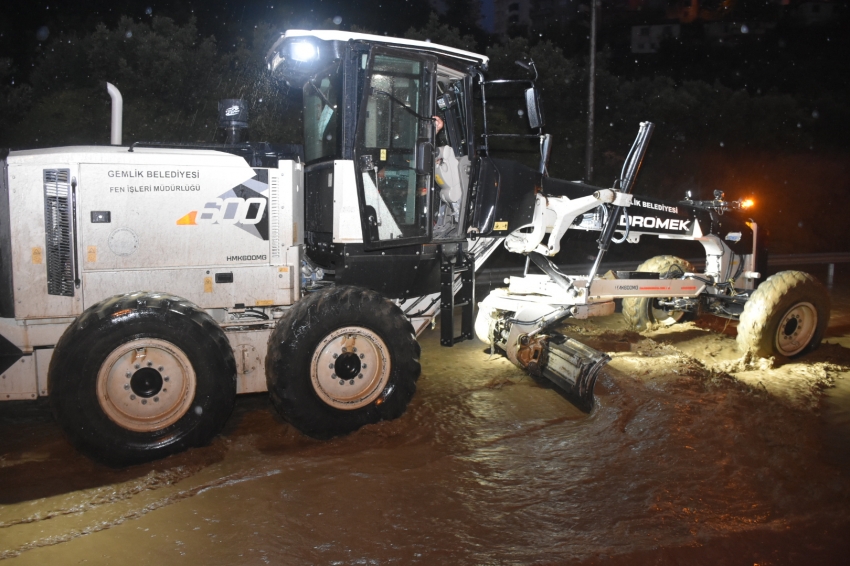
[(25, 25)]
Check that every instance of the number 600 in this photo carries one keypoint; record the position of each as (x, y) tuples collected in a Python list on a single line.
[(232, 210)]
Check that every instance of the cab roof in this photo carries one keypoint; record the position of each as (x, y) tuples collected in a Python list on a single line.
[(426, 46)]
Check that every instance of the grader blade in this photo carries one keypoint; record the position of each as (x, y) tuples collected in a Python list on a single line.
[(573, 367)]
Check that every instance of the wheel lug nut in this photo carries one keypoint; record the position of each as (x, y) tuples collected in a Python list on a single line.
[(364, 366), (351, 382), (144, 401), (342, 382), (160, 368), (344, 349), (128, 374), (150, 364), (335, 356), (359, 376), (132, 397), (354, 350), (165, 378), (156, 399), (137, 366), (126, 387), (331, 366), (362, 356)]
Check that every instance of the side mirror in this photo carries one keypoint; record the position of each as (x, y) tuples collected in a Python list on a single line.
[(533, 107), (424, 158)]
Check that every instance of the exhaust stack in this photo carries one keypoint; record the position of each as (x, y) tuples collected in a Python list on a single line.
[(117, 113)]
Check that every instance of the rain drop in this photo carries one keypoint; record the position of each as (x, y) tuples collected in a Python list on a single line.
[(815, 114), (42, 34), (745, 29), (722, 144), (199, 410), (337, 20), (128, 35), (520, 112)]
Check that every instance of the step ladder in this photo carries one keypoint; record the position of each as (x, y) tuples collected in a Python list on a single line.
[(457, 290)]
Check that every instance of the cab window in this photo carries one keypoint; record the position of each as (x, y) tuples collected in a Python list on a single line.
[(321, 117)]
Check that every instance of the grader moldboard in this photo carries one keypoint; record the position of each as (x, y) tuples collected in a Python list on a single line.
[(144, 287)]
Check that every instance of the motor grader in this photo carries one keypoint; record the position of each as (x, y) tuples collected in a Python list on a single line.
[(145, 286)]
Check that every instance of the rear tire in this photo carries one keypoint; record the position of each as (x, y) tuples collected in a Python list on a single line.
[(141, 376), (642, 313), (786, 315), (340, 359)]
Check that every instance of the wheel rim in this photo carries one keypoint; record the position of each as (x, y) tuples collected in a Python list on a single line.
[(350, 367), (146, 385), (796, 329)]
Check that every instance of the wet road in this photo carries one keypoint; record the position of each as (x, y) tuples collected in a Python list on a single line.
[(681, 462)]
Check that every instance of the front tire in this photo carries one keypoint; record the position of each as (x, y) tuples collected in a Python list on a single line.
[(786, 315), (642, 313), (141, 376), (340, 359)]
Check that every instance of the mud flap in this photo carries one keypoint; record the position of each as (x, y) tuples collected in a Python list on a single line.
[(573, 367)]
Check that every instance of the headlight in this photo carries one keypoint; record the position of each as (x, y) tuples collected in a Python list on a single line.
[(303, 51)]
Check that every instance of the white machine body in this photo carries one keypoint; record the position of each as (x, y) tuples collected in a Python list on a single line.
[(199, 224)]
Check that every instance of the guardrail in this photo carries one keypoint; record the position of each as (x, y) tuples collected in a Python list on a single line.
[(803, 259), (496, 275)]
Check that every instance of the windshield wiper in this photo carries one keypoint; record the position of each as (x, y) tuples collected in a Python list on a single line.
[(321, 94), (402, 104)]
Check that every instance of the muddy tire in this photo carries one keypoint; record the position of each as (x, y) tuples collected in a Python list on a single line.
[(340, 359), (141, 376), (786, 316), (641, 313)]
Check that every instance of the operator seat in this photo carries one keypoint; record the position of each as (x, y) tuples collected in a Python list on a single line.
[(452, 177)]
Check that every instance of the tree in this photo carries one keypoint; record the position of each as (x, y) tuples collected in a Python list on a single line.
[(15, 99), (442, 34), (171, 79)]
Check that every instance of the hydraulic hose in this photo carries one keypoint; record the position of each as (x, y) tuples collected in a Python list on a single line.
[(627, 181)]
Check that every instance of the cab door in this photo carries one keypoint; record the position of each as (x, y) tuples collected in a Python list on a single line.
[(394, 148)]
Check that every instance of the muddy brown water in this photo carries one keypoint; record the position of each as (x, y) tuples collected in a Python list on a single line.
[(680, 463)]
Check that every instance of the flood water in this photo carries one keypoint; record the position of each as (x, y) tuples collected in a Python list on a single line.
[(676, 465)]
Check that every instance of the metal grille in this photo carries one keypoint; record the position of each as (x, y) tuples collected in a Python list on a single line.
[(319, 201), (7, 295), (274, 217), (58, 234)]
